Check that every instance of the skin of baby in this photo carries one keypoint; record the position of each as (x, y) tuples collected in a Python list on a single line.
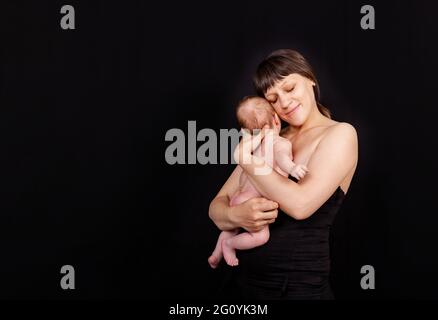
[(281, 161)]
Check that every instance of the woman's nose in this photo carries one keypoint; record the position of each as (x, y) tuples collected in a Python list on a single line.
[(284, 102)]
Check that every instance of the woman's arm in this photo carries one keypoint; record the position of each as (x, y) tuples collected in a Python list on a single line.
[(333, 159), (251, 215)]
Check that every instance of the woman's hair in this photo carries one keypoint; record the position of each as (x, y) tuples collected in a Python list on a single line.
[(280, 64)]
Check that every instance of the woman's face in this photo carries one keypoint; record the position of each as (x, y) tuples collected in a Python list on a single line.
[(292, 98)]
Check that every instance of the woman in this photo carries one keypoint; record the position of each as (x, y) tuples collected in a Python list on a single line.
[(295, 262)]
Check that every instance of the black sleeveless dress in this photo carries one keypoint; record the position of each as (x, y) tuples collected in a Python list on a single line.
[(294, 263)]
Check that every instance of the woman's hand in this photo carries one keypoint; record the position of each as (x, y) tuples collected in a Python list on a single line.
[(254, 214), (247, 145)]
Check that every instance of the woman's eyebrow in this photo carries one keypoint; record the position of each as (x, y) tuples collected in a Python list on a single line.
[(285, 84)]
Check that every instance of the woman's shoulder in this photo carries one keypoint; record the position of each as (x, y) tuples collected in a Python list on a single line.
[(340, 132), (343, 129)]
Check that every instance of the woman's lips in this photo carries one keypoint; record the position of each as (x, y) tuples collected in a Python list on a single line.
[(293, 110)]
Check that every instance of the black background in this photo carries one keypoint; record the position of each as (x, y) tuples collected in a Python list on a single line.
[(84, 114)]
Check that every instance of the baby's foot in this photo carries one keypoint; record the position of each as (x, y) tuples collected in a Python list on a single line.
[(217, 254), (229, 253), (214, 259), (299, 171)]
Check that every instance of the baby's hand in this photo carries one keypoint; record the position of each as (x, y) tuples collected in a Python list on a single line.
[(299, 171)]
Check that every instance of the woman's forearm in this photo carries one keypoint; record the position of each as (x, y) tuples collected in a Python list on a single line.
[(220, 213), (332, 160), (277, 188)]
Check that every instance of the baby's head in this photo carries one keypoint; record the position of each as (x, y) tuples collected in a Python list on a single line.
[(255, 112)]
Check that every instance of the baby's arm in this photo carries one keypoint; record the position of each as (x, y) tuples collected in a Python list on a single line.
[(283, 157)]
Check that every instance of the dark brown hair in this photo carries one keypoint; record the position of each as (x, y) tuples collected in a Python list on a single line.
[(280, 64)]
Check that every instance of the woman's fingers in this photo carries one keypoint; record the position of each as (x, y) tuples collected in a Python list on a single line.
[(256, 140), (243, 149), (258, 136), (266, 205), (270, 215), (250, 142), (247, 145), (263, 223), (246, 135), (261, 213)]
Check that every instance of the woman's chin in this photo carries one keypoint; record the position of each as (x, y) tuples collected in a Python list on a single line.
[(295, 121), (296, 118)]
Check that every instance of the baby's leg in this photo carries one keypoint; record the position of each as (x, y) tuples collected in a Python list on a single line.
[(249, 193), (216, 256), (243, 241)]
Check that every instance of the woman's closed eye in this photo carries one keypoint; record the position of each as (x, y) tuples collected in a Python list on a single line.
[(272, 101)]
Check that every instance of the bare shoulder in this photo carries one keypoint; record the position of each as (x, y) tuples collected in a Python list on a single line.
[(340, 133), (341, 130)]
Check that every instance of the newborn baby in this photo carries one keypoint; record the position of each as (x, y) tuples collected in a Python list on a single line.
[(255, 113)]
